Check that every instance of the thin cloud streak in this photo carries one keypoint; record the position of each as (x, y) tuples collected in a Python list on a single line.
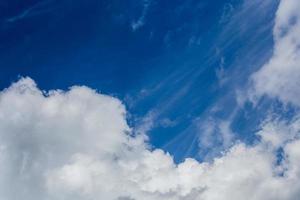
[(37, 9)]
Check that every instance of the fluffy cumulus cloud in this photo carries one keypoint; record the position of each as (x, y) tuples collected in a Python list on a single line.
[(280, 77), (77, 145)]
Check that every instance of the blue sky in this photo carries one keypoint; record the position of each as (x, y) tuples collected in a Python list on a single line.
[(150, 99), (172, 60)]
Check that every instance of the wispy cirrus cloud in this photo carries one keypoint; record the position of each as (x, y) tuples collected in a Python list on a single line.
[(138, 23), (40, 7)]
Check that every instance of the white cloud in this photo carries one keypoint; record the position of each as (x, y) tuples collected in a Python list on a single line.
[(77, 145), (280, 77), (227, 13), (215, 132), (41, 7), (140, 22), (277, 132)]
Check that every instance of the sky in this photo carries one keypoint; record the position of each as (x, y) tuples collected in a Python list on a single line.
[(150, 99)]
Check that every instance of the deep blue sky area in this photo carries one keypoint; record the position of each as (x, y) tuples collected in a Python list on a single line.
[(177, 65)]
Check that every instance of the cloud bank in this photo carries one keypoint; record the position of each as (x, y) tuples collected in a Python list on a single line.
[(280, 77), (76, 144)]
